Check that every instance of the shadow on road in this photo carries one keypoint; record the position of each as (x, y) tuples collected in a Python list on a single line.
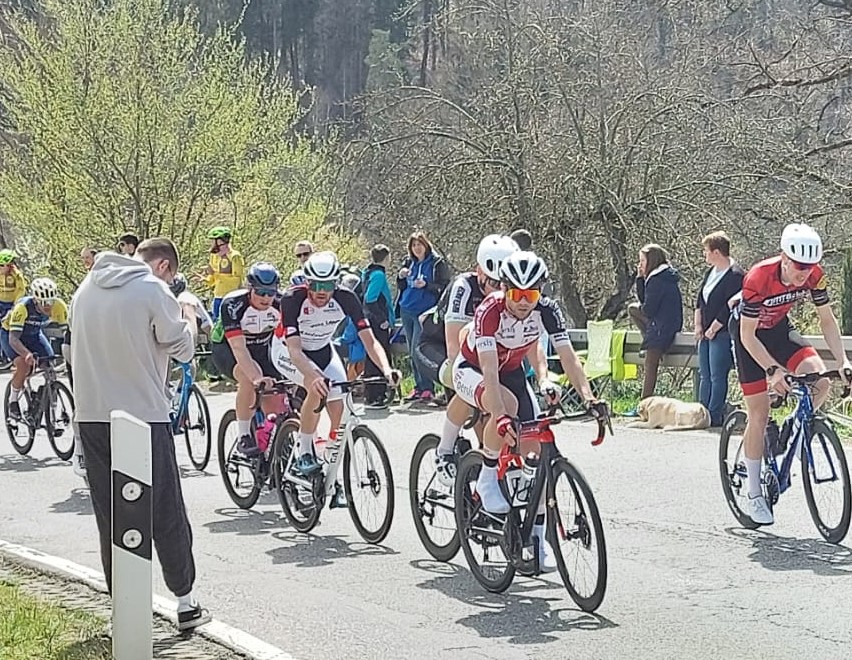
[(79, 502), (516, 614), (307, 550), (782, 553), (188, 472), (18, 463), (245, 522)]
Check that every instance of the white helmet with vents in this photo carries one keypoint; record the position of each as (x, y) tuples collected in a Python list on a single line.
[(801, 243), (322, 267), (492, 250), (44, 291), (523, 270)]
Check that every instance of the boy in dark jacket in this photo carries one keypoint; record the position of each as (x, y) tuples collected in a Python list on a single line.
[(378, 308)]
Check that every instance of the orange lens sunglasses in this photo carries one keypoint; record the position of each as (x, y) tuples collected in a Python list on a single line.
[(530, 295)]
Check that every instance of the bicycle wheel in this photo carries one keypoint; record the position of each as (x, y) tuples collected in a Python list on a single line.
[(431, 502), (301, 505), (237, 471), (58, 415), (21, 433), (732, 469), (196, 428), (478, 532), (577, 527), (823, 464), (368, 484)]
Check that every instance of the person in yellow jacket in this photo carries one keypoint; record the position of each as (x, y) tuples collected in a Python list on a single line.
[(13, 284), (226, 269)]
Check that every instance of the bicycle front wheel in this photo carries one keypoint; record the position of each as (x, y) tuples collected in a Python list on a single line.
[(58, 414), (21, 433), (431, 503), (196, 428), (825, 475), (302, 504), (575, 533), (237, 471), (368, 484)]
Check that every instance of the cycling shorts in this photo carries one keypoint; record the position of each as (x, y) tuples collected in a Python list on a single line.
[(223, 358), (325, 359), (782, 342), (37, 344), (470, 386)]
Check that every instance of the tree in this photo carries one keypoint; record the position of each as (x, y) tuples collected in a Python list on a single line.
[(124, 116)]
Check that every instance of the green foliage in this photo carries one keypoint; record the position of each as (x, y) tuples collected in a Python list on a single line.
[(124, 116), (846, 294)]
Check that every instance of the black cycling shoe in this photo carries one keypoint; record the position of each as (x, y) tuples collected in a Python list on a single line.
[(15, 411), (247, 446)]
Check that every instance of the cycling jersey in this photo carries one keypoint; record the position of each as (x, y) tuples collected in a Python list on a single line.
[(239, 318), (227, 273), (465, 297), (12, 286), (494, 328), (28, 320), (316, 326), (769, 300)]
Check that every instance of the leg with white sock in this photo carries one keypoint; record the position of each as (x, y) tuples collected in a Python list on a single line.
[(757, 409), (457, 412)]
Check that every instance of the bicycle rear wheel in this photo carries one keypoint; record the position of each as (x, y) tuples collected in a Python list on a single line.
[(196, 428), (301, 505), (732, 469), (237, 471), (431, 502), (21, 433), (823, 465), (481, 536), (58, 414), (574, 523), (368, 484)]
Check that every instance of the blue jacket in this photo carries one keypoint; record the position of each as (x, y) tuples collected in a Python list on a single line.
[(350, 339), (378, 301), (662, 305), (434, 270)]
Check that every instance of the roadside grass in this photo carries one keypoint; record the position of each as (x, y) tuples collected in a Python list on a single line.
[(30, 629)]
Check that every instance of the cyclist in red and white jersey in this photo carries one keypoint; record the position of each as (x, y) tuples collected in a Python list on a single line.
[(488, 374), (767, 347)]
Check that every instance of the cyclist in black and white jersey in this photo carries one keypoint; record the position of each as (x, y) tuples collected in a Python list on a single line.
[(310, 315), (240, 342)]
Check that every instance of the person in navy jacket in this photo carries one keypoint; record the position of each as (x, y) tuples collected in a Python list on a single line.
[(659, 314)]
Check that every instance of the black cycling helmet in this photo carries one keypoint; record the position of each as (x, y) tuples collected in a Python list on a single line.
[(263, 275), (178, 285)]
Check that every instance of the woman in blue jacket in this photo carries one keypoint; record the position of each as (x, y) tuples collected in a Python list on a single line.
[(422, 278), (659, 314)]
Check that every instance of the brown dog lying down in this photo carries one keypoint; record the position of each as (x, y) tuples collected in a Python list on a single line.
[(660, 412)]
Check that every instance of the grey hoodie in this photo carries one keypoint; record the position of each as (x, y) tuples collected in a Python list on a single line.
[(125, 327)]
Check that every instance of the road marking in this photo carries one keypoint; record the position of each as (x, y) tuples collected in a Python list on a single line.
[(233, 638)]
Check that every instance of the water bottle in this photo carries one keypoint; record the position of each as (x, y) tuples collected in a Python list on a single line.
[(513, 478), (525, 483), (264, 432)]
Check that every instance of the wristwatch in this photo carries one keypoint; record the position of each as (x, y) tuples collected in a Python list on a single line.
[(770, 371)]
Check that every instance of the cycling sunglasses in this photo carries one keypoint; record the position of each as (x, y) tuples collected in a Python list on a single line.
[(265, 292), (532, 296), (322, 285), (800, 266)]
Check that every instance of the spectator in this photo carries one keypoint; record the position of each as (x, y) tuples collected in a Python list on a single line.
[(523, 238), (192, 308), (356, 352), (87, 254), (128, 370), (127, 244), (421, 280), (722, 281), (226, 268), (659, 314), (13, 284), (378, 308), (303, 250)]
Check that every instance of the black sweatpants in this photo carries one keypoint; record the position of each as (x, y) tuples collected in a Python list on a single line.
[(377, 392), (172, 533)]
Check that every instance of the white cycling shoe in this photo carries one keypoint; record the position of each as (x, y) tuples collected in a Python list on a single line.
[(758, 510), (546, 557), (489, 492)]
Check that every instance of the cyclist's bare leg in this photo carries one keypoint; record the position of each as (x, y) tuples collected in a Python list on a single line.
[(822, 388), (335, 413), (757, 409), (487, 486), (457, 412), (492, 440), (244, 404), (22, 370)]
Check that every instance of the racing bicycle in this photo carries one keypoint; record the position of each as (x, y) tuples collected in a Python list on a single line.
[(190, 417)]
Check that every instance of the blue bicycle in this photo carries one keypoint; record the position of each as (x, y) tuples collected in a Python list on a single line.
[(805, 436), (190, 417)]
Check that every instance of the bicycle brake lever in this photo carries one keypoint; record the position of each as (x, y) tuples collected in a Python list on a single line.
[(601, 433)]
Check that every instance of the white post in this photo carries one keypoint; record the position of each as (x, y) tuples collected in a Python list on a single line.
[(132, 532)]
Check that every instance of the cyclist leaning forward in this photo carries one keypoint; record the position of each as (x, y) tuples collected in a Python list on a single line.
[(489, 375), (767, 347), (311, 313)]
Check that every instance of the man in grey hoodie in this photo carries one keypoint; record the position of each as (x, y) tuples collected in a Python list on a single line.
[(125, 328)]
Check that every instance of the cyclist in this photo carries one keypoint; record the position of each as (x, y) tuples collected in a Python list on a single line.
[(488, 372), (22, 336), (192, 308), (466, 293), (240, 343), (305, 354), (13, 284), (226, 267), (767, 347)]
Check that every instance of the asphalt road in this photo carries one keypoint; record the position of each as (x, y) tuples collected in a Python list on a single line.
[(684, 580)]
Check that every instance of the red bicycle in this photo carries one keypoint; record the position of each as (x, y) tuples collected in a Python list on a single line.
[(497, 546)]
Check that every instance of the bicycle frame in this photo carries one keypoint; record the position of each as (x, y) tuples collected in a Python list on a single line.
[(184, 387)]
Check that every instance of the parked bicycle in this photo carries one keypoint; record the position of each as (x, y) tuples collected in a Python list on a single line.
[(367, 477), (806, 436), (246, 477), (50, 406), (496, 546), (190, 417)]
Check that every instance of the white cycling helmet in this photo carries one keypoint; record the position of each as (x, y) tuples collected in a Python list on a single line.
[(322, 267), (44, 291), (491, 252), (801, 243), (523, 270)]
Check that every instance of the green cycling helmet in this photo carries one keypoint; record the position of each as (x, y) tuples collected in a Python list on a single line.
[(7, 256), (220, 232)]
